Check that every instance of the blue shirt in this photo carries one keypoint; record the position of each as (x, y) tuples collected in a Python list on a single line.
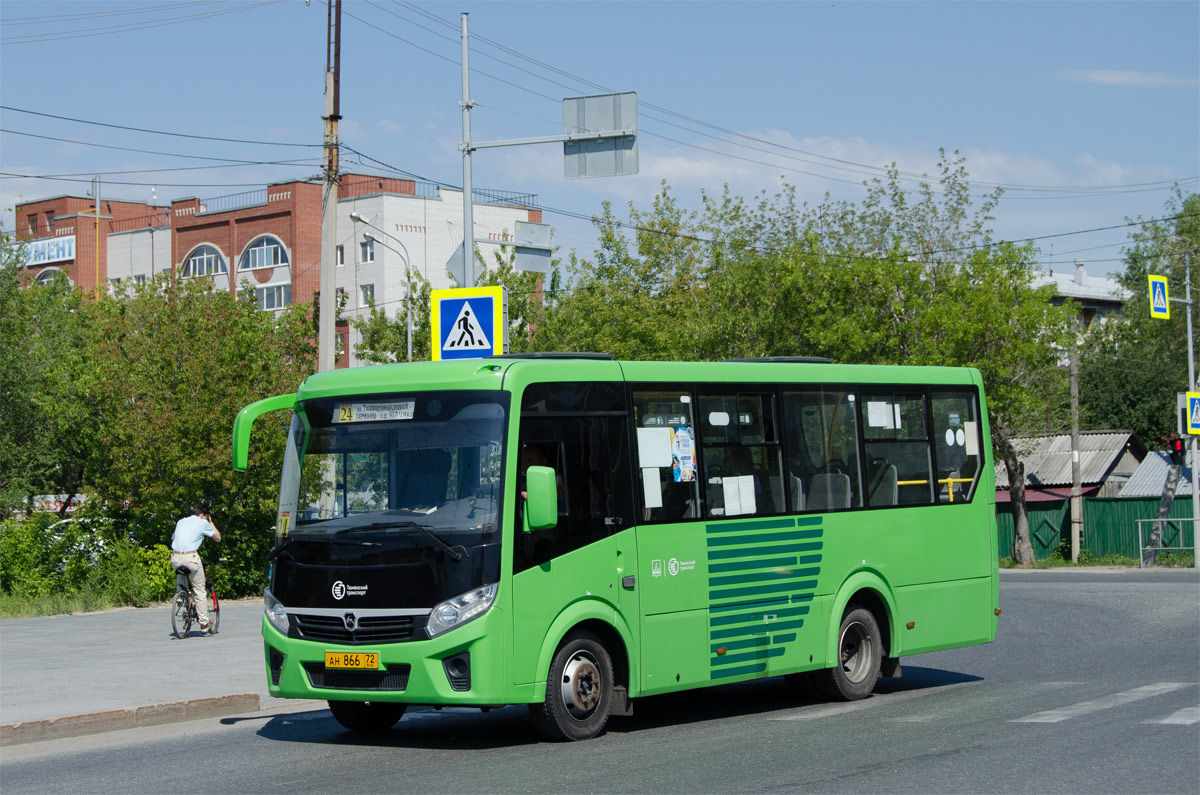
[(189, 532)]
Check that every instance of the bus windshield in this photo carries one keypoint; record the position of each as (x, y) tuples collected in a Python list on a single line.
[(386, 478)]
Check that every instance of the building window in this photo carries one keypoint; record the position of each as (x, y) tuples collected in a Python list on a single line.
[(139, 278), (266, 252), (204, 261), (366, 251), (368, 294), (274, 296), (341, 256), (50, 223), (33, 225), (47, 276)]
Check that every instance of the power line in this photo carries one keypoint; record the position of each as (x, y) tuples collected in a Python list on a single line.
[(36, 38), (158, 132), (847, 165), (134, 149)]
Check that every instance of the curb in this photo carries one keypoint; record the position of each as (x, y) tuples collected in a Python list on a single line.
[(31, 731)]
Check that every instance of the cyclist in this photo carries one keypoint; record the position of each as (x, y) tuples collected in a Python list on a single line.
[(190, 532)]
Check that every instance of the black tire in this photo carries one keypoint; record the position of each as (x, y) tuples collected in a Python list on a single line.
[(214, 612), (578, 690), (181, 616), (367, 716), (860, 655)]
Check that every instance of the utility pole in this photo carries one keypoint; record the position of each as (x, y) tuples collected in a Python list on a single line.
[(326, 355), (1076, 485), (1187, 288), (468, 195)]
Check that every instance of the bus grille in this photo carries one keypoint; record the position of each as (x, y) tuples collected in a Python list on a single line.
[(370, 629), (395, 677)]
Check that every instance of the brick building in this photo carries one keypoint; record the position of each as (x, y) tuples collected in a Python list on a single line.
[(269, 240)]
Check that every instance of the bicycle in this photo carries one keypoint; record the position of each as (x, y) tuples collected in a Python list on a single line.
[(183, 607)]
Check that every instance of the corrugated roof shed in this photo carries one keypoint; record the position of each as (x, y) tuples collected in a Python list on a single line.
[(1148, 479), (1103, 455)]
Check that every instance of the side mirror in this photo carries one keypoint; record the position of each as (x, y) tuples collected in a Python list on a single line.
[(541, 504)]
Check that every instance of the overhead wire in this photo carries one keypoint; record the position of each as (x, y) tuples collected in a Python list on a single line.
[(849, 165), (36, 38)]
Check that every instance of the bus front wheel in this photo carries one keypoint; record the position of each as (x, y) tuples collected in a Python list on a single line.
[(860, 655), (367, 716), (578, 690)]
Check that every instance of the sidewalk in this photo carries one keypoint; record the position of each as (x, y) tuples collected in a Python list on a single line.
[(69, 675)]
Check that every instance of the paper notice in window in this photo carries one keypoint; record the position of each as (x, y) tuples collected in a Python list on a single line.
[(655, 447), (739, 495), (971, 429), (880, 415), (651, 489)]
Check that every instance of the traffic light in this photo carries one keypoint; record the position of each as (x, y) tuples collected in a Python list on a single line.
[(1178, 451)]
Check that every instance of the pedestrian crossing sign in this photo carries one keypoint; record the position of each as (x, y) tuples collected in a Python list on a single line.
[(1160, 303), (1193, 412), (469, 323)]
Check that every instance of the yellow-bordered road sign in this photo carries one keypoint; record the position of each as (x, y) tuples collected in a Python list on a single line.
[(1160, 301), (469, 323)]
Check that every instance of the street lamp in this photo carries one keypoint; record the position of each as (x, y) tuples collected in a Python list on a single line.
[(369, 237)]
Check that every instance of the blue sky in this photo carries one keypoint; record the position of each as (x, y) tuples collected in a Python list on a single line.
[(1087, 112)]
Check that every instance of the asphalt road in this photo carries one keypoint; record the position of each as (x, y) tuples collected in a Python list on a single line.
[(1093, 686)]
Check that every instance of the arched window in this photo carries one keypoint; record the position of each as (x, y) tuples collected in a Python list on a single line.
[(49, 275), (266, 252), (204, 260)]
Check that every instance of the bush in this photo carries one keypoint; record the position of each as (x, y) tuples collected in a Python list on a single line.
[(41, 555)]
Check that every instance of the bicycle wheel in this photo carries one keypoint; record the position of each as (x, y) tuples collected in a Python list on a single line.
[(181, 615), (214, 611)]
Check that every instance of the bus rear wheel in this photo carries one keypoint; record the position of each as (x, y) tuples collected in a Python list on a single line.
[(578, 690), (367, 716), (860, 655)]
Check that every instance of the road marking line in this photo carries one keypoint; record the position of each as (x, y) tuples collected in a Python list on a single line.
[(998, 695), (877, 700), (1115, 700), (1188, 716)]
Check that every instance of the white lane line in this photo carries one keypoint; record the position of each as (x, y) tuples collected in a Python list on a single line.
[(1188, 716), (877, 700), (1115, 700), (998, 695)]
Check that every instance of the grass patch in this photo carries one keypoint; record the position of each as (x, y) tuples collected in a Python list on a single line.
[(51, 604)]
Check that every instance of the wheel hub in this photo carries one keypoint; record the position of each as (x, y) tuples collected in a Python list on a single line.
[(581, 685)]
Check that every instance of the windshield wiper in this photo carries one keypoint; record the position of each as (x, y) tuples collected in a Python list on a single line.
[(281, 547), (456, 553)]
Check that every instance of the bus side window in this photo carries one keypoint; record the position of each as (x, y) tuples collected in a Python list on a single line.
[(665, 453), (897, 446), (956, 445), (822, 470), (741, 455)]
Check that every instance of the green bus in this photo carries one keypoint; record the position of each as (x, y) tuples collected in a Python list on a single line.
[(573, 532)]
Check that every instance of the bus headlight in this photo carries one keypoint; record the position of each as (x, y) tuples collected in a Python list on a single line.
[(461, 609), (276, 613)]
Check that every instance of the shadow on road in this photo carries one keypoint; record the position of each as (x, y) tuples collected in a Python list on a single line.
[(471, 729)]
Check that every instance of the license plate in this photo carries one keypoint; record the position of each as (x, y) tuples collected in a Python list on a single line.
[(357, 660)]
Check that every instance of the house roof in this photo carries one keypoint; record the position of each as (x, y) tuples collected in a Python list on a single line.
[(1047, 459), (1081, 286), (1150, 476)]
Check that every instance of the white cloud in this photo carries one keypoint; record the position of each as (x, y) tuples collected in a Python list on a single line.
[(1126, 77), (392, 126)]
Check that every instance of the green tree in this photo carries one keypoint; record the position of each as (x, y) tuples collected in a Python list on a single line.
[(47, 418), (173, 364), (1133, 367)]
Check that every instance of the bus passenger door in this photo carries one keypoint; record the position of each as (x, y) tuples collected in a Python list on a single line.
[(587, 564)]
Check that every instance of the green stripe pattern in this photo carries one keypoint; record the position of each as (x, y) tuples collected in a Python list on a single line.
[(761, 579)]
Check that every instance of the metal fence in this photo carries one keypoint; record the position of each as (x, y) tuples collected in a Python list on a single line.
[(1110, 525)]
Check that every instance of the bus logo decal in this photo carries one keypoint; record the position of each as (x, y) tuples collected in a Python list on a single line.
[(339, 589)]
